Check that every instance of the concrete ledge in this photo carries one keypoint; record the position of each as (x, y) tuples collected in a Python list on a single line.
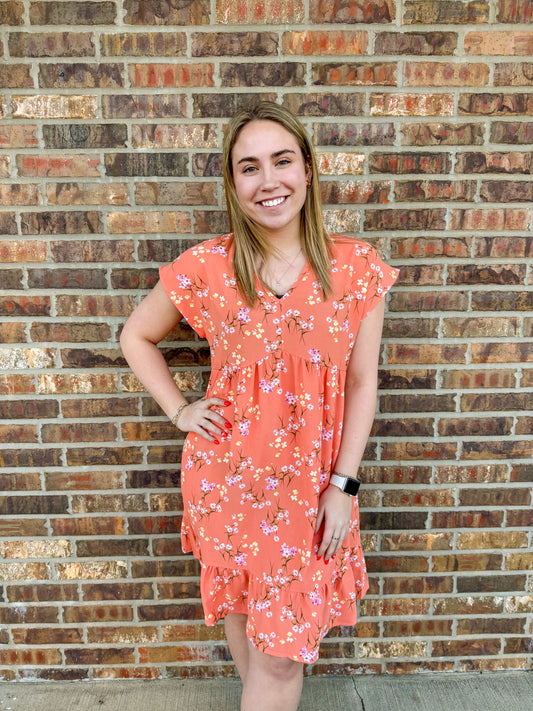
[(507, 691)]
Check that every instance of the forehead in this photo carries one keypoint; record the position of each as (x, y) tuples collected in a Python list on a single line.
[(262, 137)]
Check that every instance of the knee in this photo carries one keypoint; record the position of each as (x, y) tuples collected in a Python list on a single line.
[(282, 670)]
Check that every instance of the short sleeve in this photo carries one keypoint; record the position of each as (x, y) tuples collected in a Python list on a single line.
[(379, 277), (182, 282)]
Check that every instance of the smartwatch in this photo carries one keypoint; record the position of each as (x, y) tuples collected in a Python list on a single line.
[(345, 483)]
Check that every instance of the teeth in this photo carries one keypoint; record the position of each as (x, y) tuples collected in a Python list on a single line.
[(273, 203)]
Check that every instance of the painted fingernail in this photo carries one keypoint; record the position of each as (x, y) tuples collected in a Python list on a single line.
[(216, 441), (227, 402), (327, 561), (227, 424), (333, 556), (319, 557)]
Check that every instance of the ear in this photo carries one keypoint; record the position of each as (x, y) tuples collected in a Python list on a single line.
[(308, 172)]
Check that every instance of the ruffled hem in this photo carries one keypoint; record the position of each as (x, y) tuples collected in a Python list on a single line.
[(281, 622)]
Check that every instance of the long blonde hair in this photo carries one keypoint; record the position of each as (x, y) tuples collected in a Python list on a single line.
[(248, 240)]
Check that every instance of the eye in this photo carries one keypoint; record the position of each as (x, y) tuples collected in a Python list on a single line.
[(284, 161), (249, 169)]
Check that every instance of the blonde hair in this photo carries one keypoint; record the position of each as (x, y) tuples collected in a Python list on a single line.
[(248, 240)]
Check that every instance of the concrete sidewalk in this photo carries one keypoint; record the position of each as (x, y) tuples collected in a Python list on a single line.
[(508, 691)]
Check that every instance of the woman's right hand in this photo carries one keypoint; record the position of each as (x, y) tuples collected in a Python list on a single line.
[(199, 417)]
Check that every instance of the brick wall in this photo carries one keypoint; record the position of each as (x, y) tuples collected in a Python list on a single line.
[(113, 115)]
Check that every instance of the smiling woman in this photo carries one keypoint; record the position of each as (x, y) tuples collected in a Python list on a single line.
[(293, 317)]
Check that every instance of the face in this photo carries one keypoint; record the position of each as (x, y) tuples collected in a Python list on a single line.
[(270, 177)]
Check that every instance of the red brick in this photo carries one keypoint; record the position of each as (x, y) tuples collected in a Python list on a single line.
[(416, 43), (174, 136), (148, 222), (171, 75), (490, 379), (11, 13), (163, 193), (374, 134), (511, 132), (87, 194), (442, 134), (497, 450), (410, 163), (16, 76), (141, 106), (430, 12), (501, 352), (471, 474), (81, 76), (513, 74), (338, 74), (72, 13), (262, 74), (51, 44), (54, 107), (142, 44), (234, 44), (446, 74), (18, 136), (421, 275), (517, 43), (23, 251), (269, 12), (348, 11), (411, 105), (511, 11), (479, 647), (519, 162), (323, 43), (495, 104), (168, 12), (61, 166)]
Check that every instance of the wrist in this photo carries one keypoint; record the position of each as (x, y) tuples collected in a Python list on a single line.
[(348, 485), (175, 417)]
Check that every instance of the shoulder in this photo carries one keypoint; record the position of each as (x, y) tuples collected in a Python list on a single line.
[(349, 248), (209, 252), (211, 249)]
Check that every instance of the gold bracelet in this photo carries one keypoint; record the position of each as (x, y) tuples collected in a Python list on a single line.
[(175, 417)]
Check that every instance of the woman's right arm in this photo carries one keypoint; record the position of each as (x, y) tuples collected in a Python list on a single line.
[(149, 323)]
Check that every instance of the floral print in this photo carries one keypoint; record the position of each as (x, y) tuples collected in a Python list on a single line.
[(251, 502)]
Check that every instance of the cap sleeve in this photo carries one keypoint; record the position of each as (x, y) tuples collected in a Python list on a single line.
[(182, 282), (379, 278)]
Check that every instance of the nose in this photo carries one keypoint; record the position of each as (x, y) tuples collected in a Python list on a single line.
[(269, 178)]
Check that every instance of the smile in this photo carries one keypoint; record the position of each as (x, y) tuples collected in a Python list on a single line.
[(272, 203)]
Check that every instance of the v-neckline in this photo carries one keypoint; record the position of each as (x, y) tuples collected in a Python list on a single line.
[(291, 288)]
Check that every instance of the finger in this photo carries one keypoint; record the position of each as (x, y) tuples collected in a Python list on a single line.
[(326, 541)]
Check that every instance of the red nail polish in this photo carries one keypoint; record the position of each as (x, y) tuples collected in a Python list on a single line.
[(319, 557), (216, 441), (227, 402), (333, 556), (327, 561), (227, 424)]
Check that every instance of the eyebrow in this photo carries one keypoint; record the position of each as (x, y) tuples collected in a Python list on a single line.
[(252, 159)]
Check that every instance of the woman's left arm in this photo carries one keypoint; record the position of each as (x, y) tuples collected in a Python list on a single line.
[(335, 507)]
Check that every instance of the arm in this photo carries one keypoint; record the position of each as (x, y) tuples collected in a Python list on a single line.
[(149, 323), (359, 409)]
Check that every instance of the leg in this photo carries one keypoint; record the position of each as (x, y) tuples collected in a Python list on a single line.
[(235, 626), (272, 683)]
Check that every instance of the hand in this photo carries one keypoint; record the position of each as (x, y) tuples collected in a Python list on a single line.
[(200, 418), (334, 511)]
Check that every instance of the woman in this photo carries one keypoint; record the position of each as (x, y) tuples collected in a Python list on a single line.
[(294, 319)]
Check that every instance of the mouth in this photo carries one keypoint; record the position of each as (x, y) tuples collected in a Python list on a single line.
[(274, 202)]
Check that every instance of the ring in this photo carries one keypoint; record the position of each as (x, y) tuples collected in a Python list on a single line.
[(336, 539)]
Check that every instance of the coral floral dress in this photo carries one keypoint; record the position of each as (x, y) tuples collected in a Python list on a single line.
[(251, 502)]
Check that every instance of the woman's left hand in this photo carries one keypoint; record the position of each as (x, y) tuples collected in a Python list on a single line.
[(334, 511)]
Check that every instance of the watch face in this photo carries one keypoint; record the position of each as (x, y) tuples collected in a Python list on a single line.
[(352, 486)]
